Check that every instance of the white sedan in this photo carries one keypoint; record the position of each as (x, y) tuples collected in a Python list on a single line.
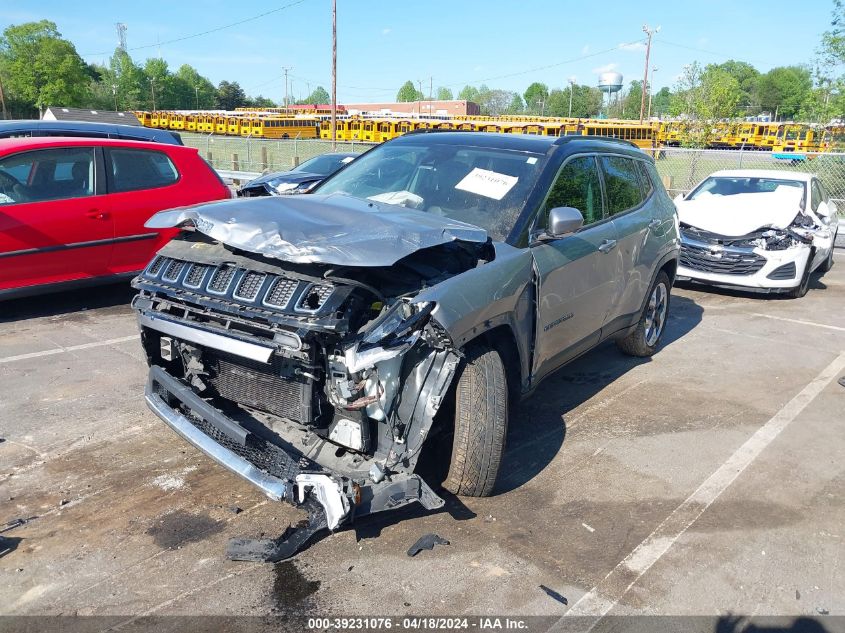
[(762, 229)]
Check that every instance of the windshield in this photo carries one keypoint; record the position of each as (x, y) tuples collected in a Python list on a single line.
[(723, 186), (323, 165), (486, 187)]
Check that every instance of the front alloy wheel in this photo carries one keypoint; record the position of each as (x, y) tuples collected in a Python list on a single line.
[(655, 315)]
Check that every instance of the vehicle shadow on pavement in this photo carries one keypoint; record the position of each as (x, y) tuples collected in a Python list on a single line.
[(538, 426), (66, 302)]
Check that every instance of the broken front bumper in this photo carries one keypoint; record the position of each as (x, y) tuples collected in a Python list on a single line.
[(280, 474)]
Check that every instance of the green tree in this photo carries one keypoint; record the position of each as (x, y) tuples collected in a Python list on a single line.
[(260, 102), (536, 96), (319, 96), (126, 80), (629, 105), (469, 93), (408, 93), (748, 78), (40, 68), (516, 105), (661, 102), (159, 85), (192, 90), (784, 90), (444, 94), (229, 96), (586, 101)]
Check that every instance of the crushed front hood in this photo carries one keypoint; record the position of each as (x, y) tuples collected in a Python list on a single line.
[(740, 214), (331, 229)]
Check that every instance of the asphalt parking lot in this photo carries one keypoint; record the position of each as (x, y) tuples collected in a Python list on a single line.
[(708, 480)]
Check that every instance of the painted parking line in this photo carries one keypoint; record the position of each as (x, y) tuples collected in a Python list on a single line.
[(799, 321), (606, 594), (71, 348)]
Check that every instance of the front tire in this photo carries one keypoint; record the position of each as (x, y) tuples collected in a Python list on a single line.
[(644, 340), (828, 263), (801, 289), (481, 424)]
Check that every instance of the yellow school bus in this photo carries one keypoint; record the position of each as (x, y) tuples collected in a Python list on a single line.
[(191, 122), (641, 135), (797, 137)]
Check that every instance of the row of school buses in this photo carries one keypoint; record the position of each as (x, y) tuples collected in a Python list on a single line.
[(279, 124)]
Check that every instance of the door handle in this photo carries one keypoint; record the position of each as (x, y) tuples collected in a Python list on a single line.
[(96, 214), (655, 223), (607, 245)]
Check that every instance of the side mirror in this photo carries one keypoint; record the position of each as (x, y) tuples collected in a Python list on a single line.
[(679, 198), (826, 209), (563, 220)]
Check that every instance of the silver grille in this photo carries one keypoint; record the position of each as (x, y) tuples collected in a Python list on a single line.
[(195, 275), (174, 268), (280, 293), (249, 286), (221, 279)]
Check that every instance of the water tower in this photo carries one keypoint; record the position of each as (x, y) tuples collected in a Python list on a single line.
[(610, 84)]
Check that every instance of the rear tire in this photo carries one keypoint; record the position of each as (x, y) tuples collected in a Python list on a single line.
[(644, 340), (481, 424)]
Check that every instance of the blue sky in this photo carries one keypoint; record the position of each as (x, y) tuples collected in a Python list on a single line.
[(383, 43)]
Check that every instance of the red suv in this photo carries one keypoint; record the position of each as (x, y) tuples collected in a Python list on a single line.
[(72, 210)]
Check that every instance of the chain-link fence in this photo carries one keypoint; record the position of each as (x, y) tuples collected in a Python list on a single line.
[(680, 169), (234, 153)]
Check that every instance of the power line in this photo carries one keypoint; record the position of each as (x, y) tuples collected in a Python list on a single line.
[(214, 30), (701, 50), (555, 65), (514, 74)]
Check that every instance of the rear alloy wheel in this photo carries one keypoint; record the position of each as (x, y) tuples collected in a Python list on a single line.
[(645, 338), (481, 424)]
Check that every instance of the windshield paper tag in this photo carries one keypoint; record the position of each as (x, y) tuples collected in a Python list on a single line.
[(489, 184)]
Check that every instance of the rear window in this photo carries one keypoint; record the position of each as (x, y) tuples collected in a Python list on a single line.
[(621, 183), (134, 169)]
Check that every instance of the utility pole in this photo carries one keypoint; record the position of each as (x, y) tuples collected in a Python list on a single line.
[(286, 69), (571, 90), (420, 93), (649, 32), (650, 89), (197, 93), (334, 74), (114, 94), (153, 88)]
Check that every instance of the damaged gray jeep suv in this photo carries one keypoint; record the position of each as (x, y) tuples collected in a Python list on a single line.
[(316, 344)]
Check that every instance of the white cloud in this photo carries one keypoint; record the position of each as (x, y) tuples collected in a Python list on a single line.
[(386, 31), (632, 46), (605, 69), (585, 49)]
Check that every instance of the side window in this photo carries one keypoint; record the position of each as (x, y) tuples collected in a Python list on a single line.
[(645, 178), (816, 195), (622, 183), (577, 185), (134, 169), (48, 174)]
